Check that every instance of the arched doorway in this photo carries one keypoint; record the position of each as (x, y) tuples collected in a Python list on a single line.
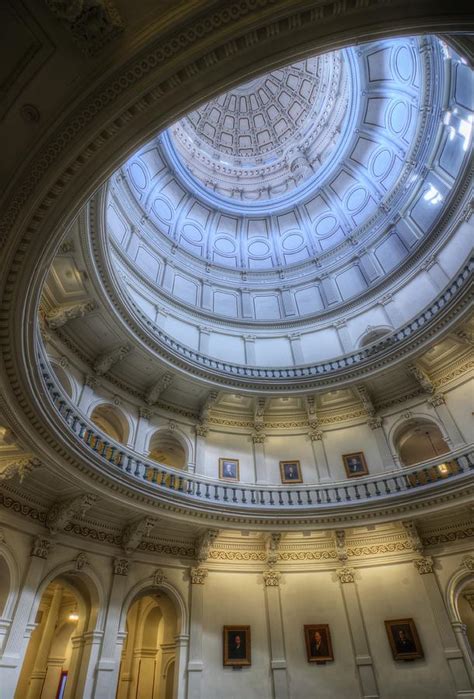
[(147, 665), (111, 421), (56, 661)]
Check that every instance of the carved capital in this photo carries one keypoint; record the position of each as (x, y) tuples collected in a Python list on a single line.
[(345, 575), (198, 575), (145, 413), (159, 577), (315, 435), (61, 513), (120, 566), (134, 532), (436, 399), (62, 315), (375, 422), (413, 536), (424, 565), (203, 544), (41, 547), (201, 429), (271, 578), (259, 437)]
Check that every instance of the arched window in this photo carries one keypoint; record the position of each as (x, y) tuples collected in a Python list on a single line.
[(419, 440), (111, 421), (166, 448)]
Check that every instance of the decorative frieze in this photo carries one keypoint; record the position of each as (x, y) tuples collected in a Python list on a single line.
[(198, 575)]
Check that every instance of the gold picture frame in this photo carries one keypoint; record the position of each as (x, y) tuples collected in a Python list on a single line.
[(355, 464), (237, 645), (290, 471), (403, 638), (229, 469), (318, 643)]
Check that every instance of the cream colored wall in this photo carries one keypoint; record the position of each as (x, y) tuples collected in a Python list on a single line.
[(235, 598), (310, 592)]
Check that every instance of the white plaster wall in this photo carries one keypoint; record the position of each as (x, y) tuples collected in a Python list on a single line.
[(229, 445), (289, 448), (460, 401), (347, 440)]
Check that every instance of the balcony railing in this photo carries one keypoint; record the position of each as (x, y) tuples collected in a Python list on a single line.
[(195, 489)]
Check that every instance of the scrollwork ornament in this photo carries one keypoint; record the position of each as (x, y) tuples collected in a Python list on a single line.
[(81, 561), (468, 562), (158, 577), (41, 547), (121, 566)]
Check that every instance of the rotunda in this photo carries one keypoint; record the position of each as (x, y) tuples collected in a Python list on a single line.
[(237, 352)]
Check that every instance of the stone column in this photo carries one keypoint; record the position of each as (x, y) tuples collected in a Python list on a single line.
[(91, 643), (452, 652), (319, 452), (438, 402), (288, 302), (20, 629), (360, 644), (376, 425), (182, 641), (258, 439), (204, 335), (41, 660), (195, 662), (392, 311), (343, 335), (247, 304), (330, 289), (296, 349), (200, 449), (249, 341), (108, 666), (144, 416), (51, 677), (460, 632), (277, 645)]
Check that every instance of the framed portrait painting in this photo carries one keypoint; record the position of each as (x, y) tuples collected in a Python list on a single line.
[(237, 646), (318, 643), (403, 639), (229, 469), (290, 472), (355, 464)]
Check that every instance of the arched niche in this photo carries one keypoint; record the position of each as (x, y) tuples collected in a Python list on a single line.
[(150, 648), (5, 585), (419, 439), (112, 421), (168, 448), (466, 611), (372, 335)]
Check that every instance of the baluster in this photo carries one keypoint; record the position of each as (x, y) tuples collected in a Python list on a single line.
[(367, 491), (262, 497), (103, 449), (154, 476), (328, 497), (280, 498), (234, 496), (318, 497), (225, 494), (348, 497), (298, 498), (136, 473), (207, 494), (272, 501), (376, 485), (82, 429), (216, 492), (180, 484), (113, 451), (252, 493), (146, 471), (397, 484), (244, 498), (128, 467), (171, 484), (338, 497), (356, 491), (198, 489), (387, 489), (120, 459), (95, 446), (308, 497), (290, 501), (74, 423)]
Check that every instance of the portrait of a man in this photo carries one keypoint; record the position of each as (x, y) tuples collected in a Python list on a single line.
[(318, 643), (403, 638), (355, 464), (237, 645), (229, 469), (290, 472)]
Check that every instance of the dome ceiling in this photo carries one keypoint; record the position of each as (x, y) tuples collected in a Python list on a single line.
[(242, 221), (263, 139)]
